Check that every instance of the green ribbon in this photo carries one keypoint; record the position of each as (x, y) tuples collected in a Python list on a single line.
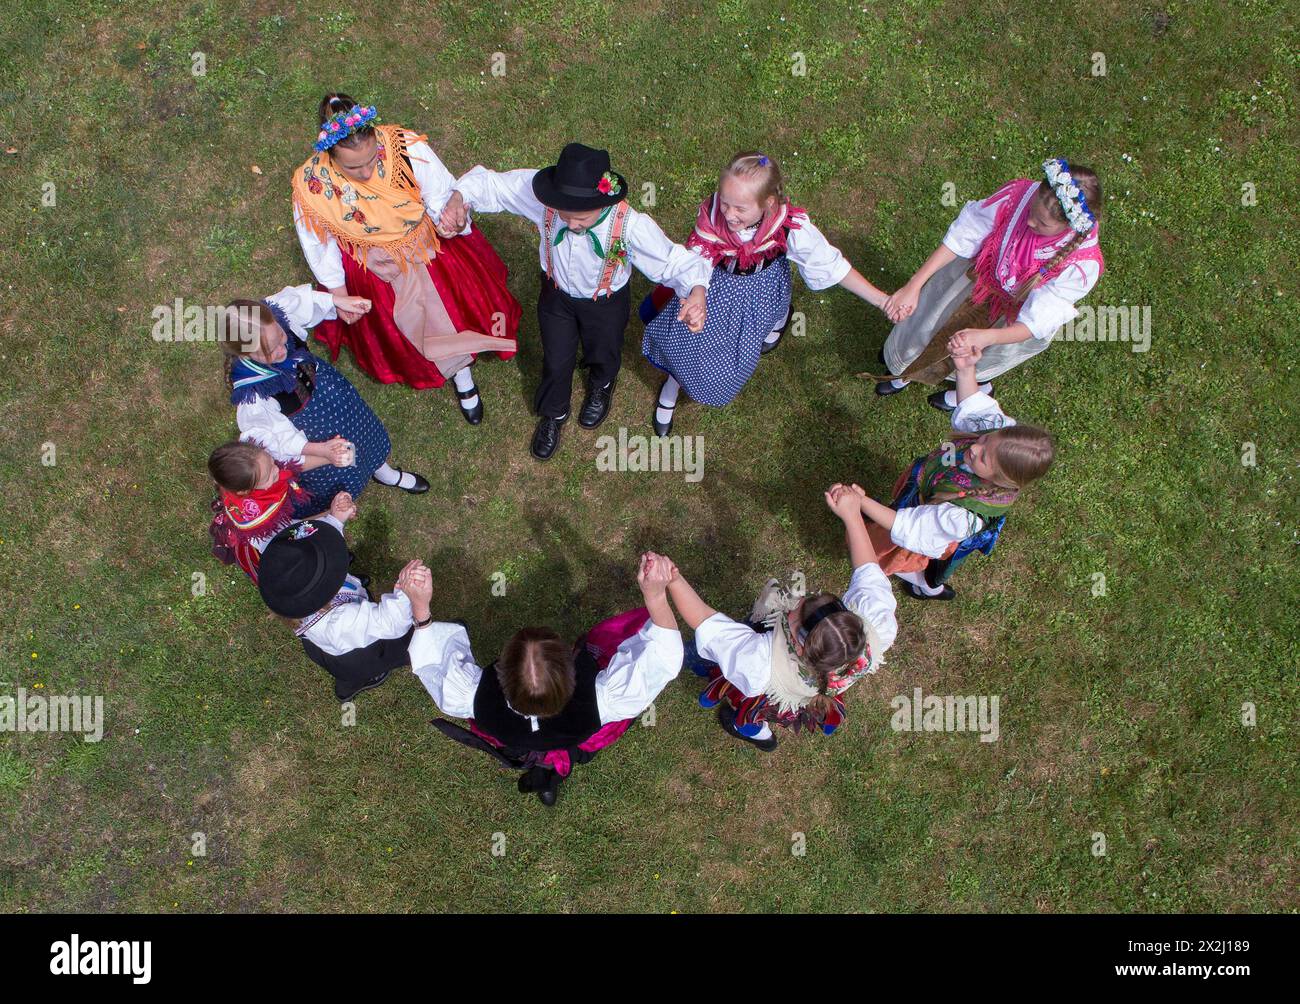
[(589, 232)]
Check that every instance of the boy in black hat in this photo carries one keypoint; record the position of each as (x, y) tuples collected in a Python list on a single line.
[(303, 576), (590, 239)]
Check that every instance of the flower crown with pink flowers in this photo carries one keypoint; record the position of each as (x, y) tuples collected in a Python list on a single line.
[(344, 123)]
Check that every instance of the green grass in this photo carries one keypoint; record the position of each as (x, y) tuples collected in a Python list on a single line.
[(1120, 713)]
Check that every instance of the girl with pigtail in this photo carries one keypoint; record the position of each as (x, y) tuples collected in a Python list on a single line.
[(1004, 280), (791, 661)]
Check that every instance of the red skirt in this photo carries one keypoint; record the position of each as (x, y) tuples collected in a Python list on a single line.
[(471, 279)]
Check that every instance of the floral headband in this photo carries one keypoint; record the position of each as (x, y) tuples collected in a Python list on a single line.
[(1073, 202), (344, 123)]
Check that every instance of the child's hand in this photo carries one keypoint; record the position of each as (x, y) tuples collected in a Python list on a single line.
[(350, 308), (654, 574), (343, 508), (454, 215), (416, 581), (967, 338), (901, 302), (843, 501), (338, 451), (694, 310), (965, 359)]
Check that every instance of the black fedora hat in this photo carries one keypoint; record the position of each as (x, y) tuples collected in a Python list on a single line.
[(302, 568), (574, 183)]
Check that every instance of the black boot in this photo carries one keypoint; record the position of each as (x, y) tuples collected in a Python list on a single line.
[(346, 691)]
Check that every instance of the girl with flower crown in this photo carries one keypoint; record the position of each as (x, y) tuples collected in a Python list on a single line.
[(1005, 279), (750, 232), (794, 658), (365, 205)]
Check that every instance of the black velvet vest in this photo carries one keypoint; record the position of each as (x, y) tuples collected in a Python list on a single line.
[(579, 720)]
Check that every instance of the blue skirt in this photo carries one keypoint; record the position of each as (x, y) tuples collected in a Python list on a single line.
[(714, 365), (336, 409)]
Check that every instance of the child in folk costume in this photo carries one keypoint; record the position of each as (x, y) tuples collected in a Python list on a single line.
[(545, 704), (300, 406), (794, 658), (590, 240), (304, 576), (257, 497), (955, 500), (749, 232), (365, 205), (1005, 279)]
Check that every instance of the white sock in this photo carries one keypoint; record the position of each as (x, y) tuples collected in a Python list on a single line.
[(772, 338), (667, 393), (464, 380), (899, 384), (918, 579), (764, 733), (386, 475), (950, 396)]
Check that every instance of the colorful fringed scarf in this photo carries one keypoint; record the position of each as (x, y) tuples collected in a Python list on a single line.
[(717, 242), (941, 478), (239, 520), (251, 380), (1013, 256), (387, 211)]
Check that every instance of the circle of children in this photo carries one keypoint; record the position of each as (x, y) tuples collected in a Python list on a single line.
[(409, 283)]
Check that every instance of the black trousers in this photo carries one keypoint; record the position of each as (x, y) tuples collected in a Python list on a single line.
[(361, 665), (567, 321)]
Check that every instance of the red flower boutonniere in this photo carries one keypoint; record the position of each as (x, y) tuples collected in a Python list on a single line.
[(618, 252), (608, 184)]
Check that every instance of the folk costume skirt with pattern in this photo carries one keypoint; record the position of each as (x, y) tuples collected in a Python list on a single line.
[(743, 310), (470, 278), (336, 409)]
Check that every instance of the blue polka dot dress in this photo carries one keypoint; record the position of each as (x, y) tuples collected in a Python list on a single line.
[(743, 310), (336, 409)]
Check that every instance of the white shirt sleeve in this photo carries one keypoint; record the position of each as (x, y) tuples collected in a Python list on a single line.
[(356, 625), (262, 421), (930, 529), (650, 251), (641, 667), (971, 227), (304, 307), (980, 413), (435, 181), (441, 657), (323, 258), (821, 264), (743, 654), (1052, 304), (871, 597), (502, 192)]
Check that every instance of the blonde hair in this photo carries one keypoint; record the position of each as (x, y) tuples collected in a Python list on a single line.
[(241, 328), (759, 170)]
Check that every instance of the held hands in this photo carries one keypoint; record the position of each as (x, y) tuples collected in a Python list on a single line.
[(416, 581), (694, 311), (901, 303), (964, 357), (338, 451), (654, 574), (845, 501), (454, 216), (967, 338), (350, 308), (343, 508)]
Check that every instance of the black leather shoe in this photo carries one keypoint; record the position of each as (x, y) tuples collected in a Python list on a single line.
[(916, 594), (344, 694), (937, 401), (769, 346), (884, 388), (595, 407), (419, 488), (661, 428), (546, 437), (542, 782), (472, 415), (727, 719)]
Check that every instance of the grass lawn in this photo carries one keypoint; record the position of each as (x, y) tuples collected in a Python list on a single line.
[(1121, 714)]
